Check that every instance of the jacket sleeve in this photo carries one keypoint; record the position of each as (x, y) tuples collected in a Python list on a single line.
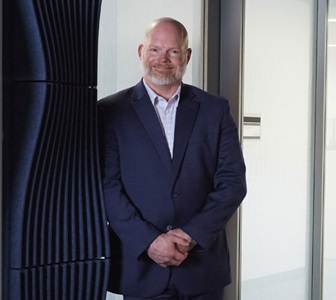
[(229, 187), (125, 220)]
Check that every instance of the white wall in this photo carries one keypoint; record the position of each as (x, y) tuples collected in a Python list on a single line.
[(122, 26)]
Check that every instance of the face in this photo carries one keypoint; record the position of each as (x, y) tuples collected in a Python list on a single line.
[(164, 55)]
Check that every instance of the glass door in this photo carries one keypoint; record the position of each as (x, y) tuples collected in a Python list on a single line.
[(278, 129), (329, 263)]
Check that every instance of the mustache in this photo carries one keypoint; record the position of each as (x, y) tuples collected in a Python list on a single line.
[(163, 65)]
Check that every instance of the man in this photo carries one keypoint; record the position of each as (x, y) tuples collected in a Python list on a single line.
[(173, 176)]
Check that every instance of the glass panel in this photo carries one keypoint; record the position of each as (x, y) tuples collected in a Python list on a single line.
[(329, 268), (278, 97), (122, 25)]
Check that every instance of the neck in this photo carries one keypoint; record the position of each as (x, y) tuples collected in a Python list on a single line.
[(164, 91)]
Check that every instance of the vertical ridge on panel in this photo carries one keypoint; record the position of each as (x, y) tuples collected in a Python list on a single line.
[(92, 209), (98, 219), (27, 107), (95, 35), (93, 10), (80, 276), (89, 273), (75, 50), (43, 195), (56, 286), (31, 209), (54, 42), (64, 142), (45, 29), (94, 180), (79, 199), (48, 192), (59, 19), (73, 188), (32, 284), (44, 163), (68, 40), (82, 35), (98, 279), (73, 278), (79, 52), (90, 236)]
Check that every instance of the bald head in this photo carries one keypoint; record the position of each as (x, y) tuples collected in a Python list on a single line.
[(168, 23), (164, 55)]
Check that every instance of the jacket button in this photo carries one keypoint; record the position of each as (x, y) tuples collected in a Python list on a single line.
[(169, 227), (175, 195)]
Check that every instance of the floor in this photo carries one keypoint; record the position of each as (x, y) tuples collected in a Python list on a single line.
[(287, 286)]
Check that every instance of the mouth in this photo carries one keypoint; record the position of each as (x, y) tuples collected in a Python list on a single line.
[(162, 67)]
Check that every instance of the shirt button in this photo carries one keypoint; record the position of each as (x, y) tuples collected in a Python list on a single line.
[(169, 227)]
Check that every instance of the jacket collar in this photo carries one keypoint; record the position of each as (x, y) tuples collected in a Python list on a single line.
[(185, 119)]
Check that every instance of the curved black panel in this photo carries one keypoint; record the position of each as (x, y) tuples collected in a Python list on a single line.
[(23, 54), (55, 228), (78, 280), (54, 41), (71, 49)]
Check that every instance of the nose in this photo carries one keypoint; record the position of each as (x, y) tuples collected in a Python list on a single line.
[(164, 56)]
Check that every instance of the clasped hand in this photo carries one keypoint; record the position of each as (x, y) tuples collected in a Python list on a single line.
[(171, 249)]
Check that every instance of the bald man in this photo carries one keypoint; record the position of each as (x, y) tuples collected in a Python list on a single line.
[(174, 175)]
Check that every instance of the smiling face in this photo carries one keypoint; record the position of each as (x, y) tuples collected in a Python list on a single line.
[(164, 54)]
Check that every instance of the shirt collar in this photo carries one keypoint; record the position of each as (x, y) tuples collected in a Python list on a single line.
[(152, 95)]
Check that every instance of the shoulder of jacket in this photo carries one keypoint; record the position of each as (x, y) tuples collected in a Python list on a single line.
[(119, 97), (204, 96)]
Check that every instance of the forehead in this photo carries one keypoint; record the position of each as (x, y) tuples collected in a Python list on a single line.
[(165, 33)]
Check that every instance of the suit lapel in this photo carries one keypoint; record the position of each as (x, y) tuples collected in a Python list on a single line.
[(146, 113), (185, 119)]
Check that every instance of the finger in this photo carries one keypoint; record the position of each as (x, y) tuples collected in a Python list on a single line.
[(179, 257), (177, 262), (180, 233), (182, 249), (178, 240)]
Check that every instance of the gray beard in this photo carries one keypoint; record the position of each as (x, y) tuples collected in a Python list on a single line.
[(161, 81)]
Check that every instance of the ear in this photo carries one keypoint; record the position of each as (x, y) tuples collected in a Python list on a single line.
[(188, 54), (140, 49)]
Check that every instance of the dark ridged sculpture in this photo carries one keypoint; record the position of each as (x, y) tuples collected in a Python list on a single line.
[(55, 233)]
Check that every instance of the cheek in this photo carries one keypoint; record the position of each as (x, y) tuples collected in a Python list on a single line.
[(148, 61), (179, 62), (179, 65)]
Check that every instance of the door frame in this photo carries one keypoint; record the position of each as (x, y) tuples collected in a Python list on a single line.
[(223, 76)]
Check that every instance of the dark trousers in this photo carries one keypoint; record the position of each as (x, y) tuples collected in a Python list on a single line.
[(173, 295)]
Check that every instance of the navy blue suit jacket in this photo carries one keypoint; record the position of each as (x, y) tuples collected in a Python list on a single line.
[(147, 192)]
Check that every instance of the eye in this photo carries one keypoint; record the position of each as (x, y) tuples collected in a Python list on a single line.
[(153, 50), (174, 52)]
